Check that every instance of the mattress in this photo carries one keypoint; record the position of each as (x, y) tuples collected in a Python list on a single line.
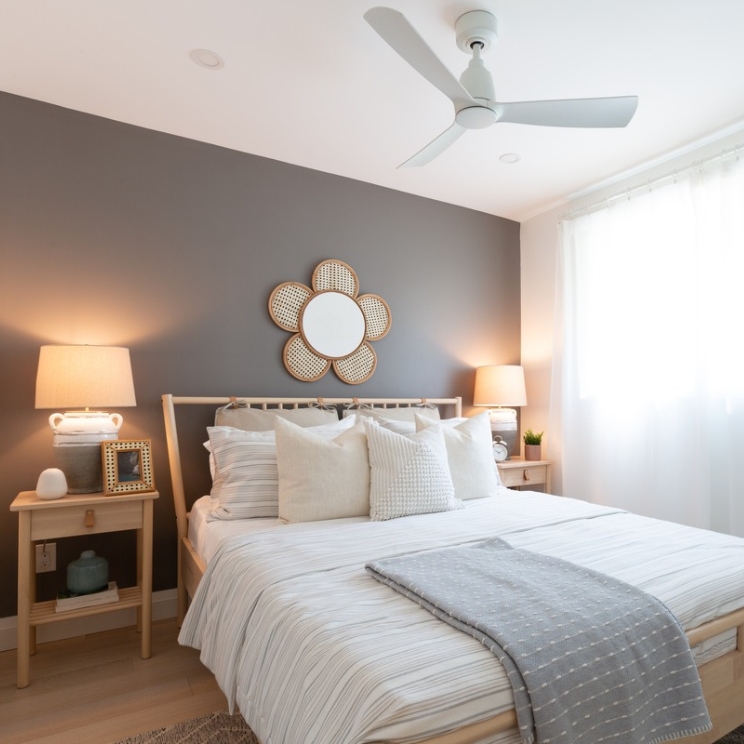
[(206, 536), (317, 650)]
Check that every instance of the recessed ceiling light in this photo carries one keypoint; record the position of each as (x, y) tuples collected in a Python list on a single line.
[(510, 157), (206, 59)]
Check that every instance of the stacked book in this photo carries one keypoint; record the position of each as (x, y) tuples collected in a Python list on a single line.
[(76, 602)]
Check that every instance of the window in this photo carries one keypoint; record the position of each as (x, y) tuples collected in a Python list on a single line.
[(651, 407)]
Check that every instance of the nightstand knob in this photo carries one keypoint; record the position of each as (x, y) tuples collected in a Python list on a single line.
[(90, 517), (526, 475)]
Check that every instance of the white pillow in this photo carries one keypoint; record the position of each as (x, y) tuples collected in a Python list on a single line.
[(257, 419), (408, 474), (450, 421), (470, 456), (321, 478), (398, 426), (246, 480), (405, 413)]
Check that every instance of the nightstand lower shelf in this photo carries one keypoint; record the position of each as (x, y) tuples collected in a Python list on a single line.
[(43, 613)]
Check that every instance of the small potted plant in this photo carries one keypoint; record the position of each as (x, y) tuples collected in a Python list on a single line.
[(532, 442)]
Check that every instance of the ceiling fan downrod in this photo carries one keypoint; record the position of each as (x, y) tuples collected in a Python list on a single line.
[(476, 32)]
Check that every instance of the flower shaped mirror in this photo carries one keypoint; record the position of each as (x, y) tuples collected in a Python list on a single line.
[(332, 324)]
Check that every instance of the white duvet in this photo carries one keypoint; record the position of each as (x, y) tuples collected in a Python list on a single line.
[(312, 649)]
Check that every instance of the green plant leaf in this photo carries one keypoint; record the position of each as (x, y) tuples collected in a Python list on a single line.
[(530, 437)]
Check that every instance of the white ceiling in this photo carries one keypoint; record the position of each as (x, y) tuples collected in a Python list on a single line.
[(309, 82)]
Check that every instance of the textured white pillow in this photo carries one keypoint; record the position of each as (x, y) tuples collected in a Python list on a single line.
[(246, 480), (257, 419), (408, 474), (321, 478), (470, 456)]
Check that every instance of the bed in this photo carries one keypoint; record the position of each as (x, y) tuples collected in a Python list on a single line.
[(398, 674)]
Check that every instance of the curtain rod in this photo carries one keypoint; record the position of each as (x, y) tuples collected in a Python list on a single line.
[(671, 176)]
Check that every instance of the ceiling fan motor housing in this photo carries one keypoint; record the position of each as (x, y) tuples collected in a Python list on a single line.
[(476, 27), (475, 117)]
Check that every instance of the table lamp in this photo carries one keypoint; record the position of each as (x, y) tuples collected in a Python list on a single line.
[(497, 386), (83, 377)]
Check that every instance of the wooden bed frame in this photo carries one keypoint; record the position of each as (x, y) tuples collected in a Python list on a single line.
[(722, 678)]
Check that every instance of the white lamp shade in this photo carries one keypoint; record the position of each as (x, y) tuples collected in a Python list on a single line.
[(500, 385), (84, 377)]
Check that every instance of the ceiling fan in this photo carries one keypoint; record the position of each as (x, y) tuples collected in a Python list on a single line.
[(473, 95)]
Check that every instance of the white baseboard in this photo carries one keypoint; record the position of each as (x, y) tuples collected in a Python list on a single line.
[(163, 608)]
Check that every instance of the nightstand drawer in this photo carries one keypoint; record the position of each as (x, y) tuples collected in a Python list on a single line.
[(86, 519), (524, 475)]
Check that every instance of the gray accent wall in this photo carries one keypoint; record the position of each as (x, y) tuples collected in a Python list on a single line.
[(115, 235)]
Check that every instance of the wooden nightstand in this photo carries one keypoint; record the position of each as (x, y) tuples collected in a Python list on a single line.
[(517, 473), (82, 514)]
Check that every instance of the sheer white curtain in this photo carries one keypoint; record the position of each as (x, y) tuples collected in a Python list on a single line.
[(648, 410)]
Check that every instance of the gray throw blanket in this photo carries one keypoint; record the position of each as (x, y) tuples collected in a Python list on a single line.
[(590, 658)]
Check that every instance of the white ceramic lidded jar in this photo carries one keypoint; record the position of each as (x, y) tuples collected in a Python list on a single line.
[(77, 446)]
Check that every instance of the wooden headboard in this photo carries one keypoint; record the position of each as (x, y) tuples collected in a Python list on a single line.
[(171, 432)]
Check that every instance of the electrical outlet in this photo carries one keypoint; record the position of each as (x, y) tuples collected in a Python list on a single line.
[(46, 557)]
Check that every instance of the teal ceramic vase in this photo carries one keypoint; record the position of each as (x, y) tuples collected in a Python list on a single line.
[(87, 574)]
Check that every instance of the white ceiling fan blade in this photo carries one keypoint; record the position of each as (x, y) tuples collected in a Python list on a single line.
[(435, 147), (395, 29), (576, 112)]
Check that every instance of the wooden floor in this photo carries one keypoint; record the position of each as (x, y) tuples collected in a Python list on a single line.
[(96, 689)]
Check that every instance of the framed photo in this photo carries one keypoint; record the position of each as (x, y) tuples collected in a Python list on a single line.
[(127, 466)]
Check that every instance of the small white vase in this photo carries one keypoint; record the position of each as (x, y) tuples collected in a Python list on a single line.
[(52, 484)]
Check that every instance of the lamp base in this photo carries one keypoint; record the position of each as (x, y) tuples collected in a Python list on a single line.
[(504, 425), (81, 464), (77, 446)]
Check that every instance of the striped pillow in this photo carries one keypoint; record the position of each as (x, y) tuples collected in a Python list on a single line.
[(246, 479), (408, 474)]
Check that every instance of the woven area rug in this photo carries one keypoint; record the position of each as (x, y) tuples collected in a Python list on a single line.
[(216, 728), (735, 737), (222, 728)]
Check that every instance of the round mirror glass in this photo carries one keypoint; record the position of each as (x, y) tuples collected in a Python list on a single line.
[(332, 324)]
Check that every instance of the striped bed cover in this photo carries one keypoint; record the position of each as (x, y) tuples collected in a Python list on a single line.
[(311, 648)]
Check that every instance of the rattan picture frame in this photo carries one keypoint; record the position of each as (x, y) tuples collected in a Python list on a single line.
[(127, 466)]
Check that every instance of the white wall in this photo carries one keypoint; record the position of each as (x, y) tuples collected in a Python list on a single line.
[(539, 246), (538, 238)]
